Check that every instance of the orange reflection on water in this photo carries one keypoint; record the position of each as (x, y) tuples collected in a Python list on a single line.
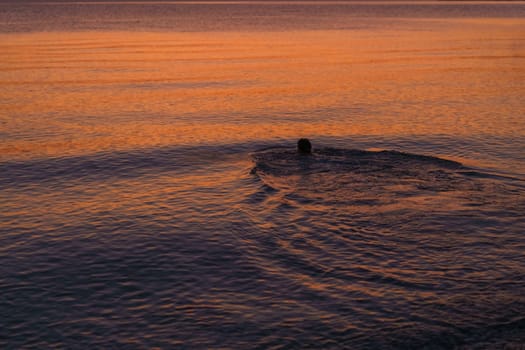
[(74, 93)]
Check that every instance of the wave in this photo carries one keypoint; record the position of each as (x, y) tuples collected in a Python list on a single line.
[(114, 165), (369, 182), (277, 166)]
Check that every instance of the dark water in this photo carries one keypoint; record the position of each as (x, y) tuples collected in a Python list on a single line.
[(151, 195), (206, 248), (197, 16)]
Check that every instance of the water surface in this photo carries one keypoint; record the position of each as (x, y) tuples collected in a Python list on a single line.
[(151, 195)]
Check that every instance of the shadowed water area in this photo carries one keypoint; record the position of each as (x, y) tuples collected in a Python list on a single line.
[(152, 196)]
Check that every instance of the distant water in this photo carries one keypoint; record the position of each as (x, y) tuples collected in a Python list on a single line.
[(151, 196)]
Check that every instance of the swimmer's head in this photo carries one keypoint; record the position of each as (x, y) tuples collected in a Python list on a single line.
[(304, 146)]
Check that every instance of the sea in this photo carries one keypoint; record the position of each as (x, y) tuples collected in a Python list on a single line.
[(151, 194)]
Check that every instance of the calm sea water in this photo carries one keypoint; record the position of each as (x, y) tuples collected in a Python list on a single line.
[(151, 196)]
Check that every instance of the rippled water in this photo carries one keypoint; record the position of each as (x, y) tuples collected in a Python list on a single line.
[(151, 196)]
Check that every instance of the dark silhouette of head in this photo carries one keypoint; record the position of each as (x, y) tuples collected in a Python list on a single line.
[(304, 146)]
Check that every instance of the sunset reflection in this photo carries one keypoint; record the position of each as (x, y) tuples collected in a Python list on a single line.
[(327, 83)]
